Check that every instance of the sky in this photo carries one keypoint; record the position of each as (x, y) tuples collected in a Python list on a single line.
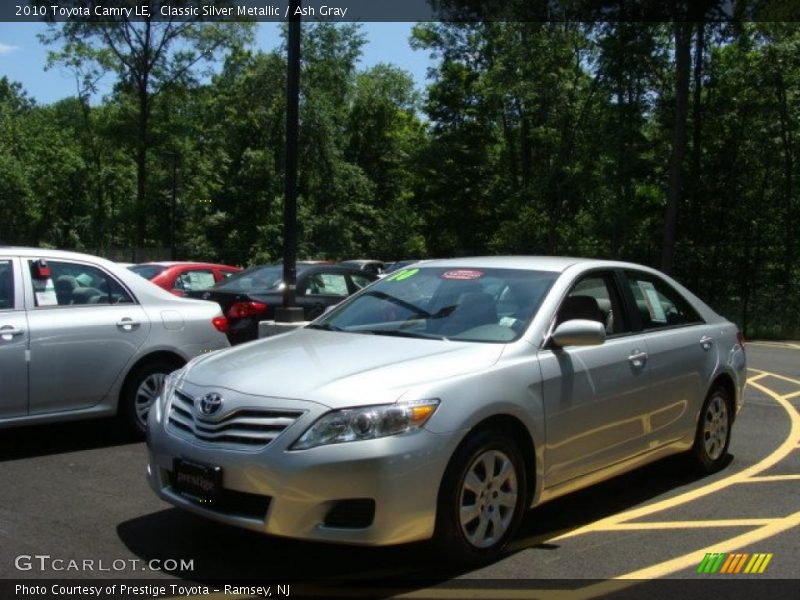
[(23, 57)]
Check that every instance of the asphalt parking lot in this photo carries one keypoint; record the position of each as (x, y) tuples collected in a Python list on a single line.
[(77, 492)]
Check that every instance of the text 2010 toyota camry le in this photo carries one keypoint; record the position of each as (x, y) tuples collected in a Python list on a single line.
[(446, 399)]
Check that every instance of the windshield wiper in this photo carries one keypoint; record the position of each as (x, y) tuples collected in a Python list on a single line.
[(324, 327), (402, 303), (401, 333)]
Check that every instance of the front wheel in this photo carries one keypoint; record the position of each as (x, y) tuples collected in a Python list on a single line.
[(482, 499), (710, 449)]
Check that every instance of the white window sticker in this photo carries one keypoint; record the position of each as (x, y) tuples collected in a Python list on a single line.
[(48, 296), (657, 314)]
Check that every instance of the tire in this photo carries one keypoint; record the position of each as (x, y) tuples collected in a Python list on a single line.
[(477, 515), (141, 388), (709, 453)]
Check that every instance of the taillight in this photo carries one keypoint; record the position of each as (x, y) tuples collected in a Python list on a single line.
[(242, 310), (220, 324), (740, 338)]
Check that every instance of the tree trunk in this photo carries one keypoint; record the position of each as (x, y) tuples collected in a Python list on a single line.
[(683, 33), (143, 92), (788, 180), (697, 150)]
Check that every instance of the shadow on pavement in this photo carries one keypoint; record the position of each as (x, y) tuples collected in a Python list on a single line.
[(606, 499), (226, 554), (57, 438), (223, 553)]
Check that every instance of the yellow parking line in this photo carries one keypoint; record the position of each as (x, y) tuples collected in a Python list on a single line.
[(776, 376), (764, 478), (770, 460), (686, 561), (756, 377), (687, 524), (692, 559), (792, 395), (776, 345)]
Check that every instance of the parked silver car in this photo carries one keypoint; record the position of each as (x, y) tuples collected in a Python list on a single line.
[(447, 398), (82, 337)]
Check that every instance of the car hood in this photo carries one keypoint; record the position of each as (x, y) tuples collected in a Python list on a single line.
[(338, 369)]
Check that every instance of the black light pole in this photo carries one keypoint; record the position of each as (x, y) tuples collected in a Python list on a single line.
[(290, 313), (173, 205), (173, 201)]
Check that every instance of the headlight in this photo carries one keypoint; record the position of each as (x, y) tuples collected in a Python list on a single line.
[(353, 424)]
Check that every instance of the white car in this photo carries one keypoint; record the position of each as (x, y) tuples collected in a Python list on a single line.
[(83, 337)]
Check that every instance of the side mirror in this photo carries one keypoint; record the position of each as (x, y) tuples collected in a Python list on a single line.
[(579, 332)]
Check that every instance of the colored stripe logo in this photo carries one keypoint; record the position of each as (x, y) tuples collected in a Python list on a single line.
[(734, 563)]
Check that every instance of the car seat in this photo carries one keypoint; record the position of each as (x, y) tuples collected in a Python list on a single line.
[(580, 307)]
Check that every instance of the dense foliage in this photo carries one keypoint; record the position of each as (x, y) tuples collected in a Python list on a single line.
[(667, 144)]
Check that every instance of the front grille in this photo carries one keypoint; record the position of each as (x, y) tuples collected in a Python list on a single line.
[(231, 502), (242, 428)]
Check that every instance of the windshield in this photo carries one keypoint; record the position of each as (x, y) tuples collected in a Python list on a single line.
[(147, 271), (255, 278), (466, 304)]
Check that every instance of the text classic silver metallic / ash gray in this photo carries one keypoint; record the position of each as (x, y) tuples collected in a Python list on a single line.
[(445, 399)]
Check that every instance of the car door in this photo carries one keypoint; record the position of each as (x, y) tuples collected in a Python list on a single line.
[(85, 327), (321, 289), (13, 341), (681, 352), (595, 397)]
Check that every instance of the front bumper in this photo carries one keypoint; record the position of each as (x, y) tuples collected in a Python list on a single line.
[(299, 489)]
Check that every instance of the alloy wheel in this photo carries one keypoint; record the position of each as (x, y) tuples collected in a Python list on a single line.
[(715, 427), (488, 498)]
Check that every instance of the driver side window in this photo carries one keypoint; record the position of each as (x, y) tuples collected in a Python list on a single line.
[(595, 298)]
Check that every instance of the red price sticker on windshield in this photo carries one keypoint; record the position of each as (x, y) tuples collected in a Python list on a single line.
[(462, 274)]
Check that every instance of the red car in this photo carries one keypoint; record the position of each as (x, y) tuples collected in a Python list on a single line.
[(182, 277)]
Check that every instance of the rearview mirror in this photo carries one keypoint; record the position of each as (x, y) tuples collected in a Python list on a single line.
[(579, 332)]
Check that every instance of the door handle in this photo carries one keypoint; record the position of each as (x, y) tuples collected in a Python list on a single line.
[(9, 332), (637, 358), (706, 342), (128, 324)]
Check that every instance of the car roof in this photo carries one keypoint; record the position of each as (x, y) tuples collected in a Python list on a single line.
[(361, 261), (556, 264), (185, 263), (52, 253)]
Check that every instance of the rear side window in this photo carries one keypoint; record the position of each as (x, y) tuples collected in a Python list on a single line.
[(360, 281), (658, 303), (77, 284), (191, 281), (327, 284), (6, 285)]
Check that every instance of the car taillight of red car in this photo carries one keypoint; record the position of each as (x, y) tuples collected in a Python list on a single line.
[(243, 310)]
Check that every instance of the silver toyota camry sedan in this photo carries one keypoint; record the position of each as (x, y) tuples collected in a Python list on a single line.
[(447, 398), (83, 337)]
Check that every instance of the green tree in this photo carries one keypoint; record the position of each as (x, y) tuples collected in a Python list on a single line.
[(148, 56)]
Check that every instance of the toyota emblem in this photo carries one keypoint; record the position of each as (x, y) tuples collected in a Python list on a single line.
[(210, 404)]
